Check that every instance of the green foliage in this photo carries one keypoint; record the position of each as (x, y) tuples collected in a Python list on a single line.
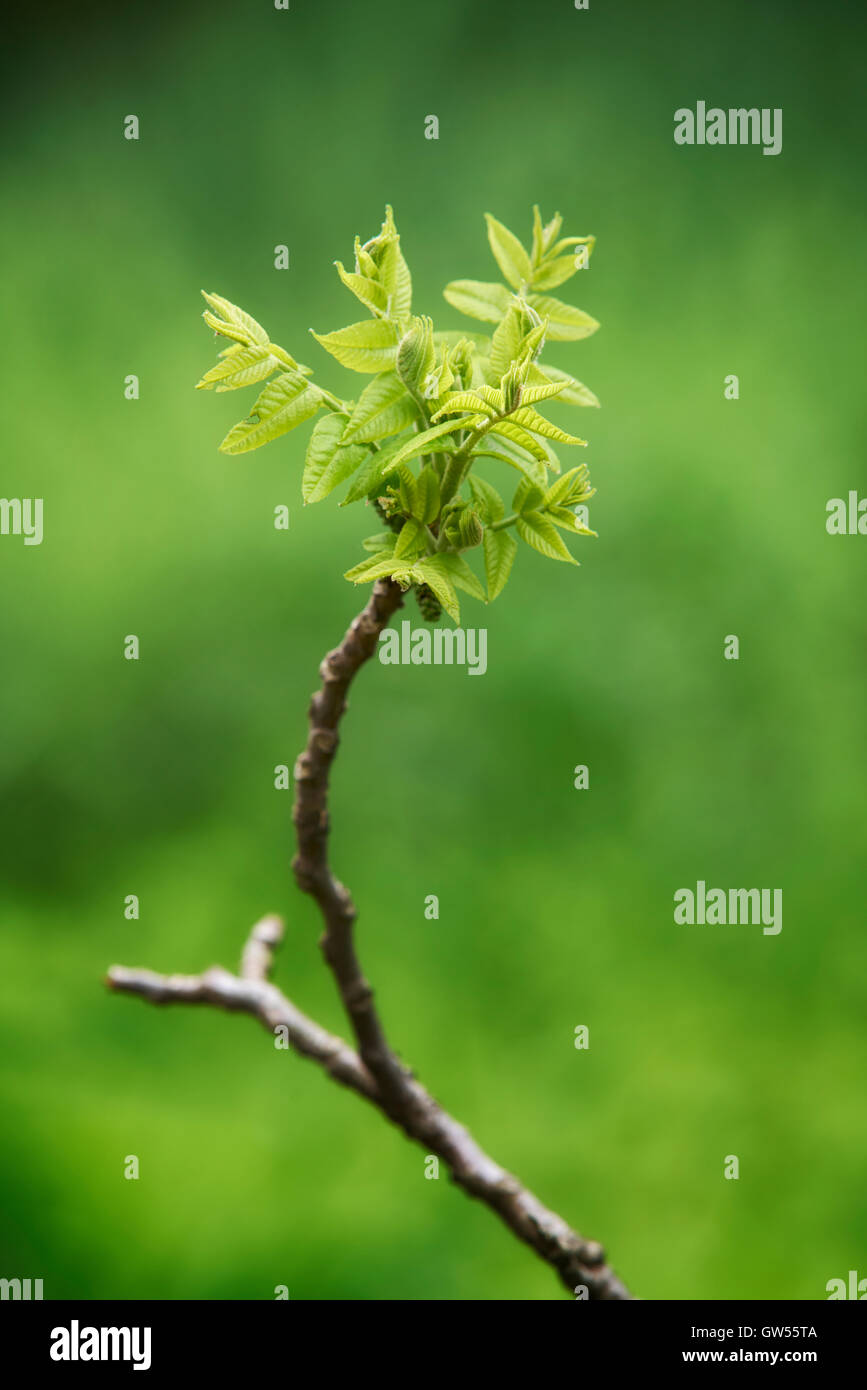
[(441, 401)]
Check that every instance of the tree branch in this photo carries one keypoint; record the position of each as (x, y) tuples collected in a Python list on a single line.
[(577, 1261), (311, 867), (374, 1071)]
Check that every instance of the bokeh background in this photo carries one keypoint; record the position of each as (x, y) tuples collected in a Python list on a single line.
[(261, 127)]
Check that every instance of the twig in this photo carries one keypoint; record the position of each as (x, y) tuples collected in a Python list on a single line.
[(310, 865), (577, 1261), (374, 1072), (258, 955)]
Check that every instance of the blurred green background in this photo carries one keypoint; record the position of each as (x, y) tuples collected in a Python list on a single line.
[(261, 127)]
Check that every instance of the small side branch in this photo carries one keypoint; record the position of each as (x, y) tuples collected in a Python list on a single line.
[(577, 1261), (257, 956)]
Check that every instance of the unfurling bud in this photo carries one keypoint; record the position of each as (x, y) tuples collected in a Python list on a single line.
[(416, 357), (471, 529), (463, 528), (511, 389)]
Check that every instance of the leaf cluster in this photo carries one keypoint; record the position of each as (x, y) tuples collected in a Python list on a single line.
[(436, 406)]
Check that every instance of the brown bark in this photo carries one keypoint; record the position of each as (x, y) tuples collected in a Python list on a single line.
[(373, 1071)]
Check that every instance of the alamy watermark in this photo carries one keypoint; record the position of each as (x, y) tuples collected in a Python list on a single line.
[(460, 646), (738, 125), (717, 907), (21, 1289), (76, 1343), (22, 516), (846, 516), (854, 1287)]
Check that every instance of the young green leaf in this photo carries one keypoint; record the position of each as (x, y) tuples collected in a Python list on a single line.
[(572, 241), (383, 540), (368, 346), (328, 464), (568, 521), (231, 322), (493, 398), (478, 299), (557, 268), (462, 401), (500, 550), (553, 273), (530, 419), (572, 487), (364, 263), (530, 395), (439, 379), (411, 541), (416, 354), (508, 253), (481, 372), (460, 574), (528, 496), (509, 430), (373, 473), (384, 408), (286, 401), (420, 443), (538, 248), (565, 322), (426, 500), (394, 273), (374, 568), (542, 535), (404, 492), (544, 237), (507, 339), (497, 445), (488, 502), (369, 292), (240, 366)]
